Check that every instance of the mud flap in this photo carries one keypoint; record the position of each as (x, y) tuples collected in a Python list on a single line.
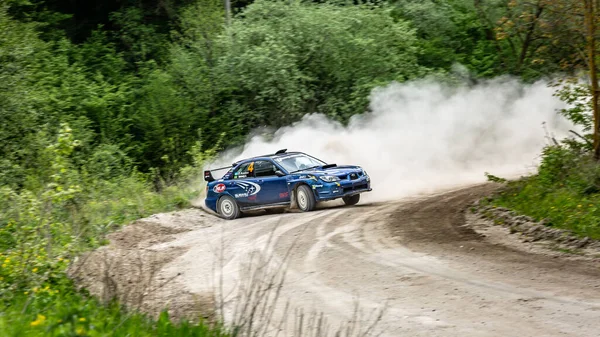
[(293, 203)]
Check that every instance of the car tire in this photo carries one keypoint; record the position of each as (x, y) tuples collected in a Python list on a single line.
[(228, 208), (305, 198), (351, 200)]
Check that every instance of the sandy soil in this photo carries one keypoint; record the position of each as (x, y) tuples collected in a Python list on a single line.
[(415, 259)]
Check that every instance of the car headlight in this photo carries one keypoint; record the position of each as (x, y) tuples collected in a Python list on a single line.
[(329, 179)]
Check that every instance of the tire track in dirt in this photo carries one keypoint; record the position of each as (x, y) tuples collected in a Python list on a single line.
[(416, 257)]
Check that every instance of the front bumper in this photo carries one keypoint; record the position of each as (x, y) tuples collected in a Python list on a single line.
[(344, 188)]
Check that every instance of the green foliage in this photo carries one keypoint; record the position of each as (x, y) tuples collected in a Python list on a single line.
[(578, 98), (493, 178), (71, 210), (450, 32), (109, 113), (285, 59), (141, 40), (565, 192), (55, 311)]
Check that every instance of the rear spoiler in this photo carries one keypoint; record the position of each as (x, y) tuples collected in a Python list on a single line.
[(208, 173)]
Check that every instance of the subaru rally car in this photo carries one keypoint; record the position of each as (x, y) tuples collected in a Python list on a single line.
[(283, 179)]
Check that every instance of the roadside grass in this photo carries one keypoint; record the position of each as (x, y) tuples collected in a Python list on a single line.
[(60, 213), (72, 314), (565, 192), (40, 234)]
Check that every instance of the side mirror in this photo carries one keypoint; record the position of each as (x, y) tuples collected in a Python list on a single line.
[(279, 173)]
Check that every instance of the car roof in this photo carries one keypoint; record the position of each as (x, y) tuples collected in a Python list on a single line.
[(267, 156)]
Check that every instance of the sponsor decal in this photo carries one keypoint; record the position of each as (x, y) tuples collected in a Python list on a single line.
[(252, 197), (338, 184), (335, 191), (241, 195), (249, 188), (284, 194), (219, 188), (251, 167), (316, 186)]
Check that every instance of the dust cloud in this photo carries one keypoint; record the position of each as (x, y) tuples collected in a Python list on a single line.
[(424, 136)]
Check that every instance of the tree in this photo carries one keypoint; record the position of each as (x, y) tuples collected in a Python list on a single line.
[(591, 15), (574, 24), (286, 59)]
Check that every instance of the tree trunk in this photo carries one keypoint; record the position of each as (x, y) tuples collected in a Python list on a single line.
[(591, 51), (228, 12), (529, 36)]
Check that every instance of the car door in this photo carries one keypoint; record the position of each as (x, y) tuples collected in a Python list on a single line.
[(273, 189), (242, 187)]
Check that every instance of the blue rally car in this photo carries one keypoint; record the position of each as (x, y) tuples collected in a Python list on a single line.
[(283, 179)]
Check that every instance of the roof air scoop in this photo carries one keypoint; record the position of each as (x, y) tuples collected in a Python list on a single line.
[(281, 151)]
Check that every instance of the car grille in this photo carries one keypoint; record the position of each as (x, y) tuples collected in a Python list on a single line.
[(351, 176), (355, 188)]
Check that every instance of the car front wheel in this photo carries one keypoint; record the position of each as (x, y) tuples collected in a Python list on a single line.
[(305, 198), (351, 200), (228, 208)]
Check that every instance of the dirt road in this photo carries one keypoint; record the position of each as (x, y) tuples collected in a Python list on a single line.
[(416, 258)]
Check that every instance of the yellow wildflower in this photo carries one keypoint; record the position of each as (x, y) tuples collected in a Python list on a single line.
[(579, 206), (35, 270), (4, 265), (39, 320), (35, 290), (26, 292), (82, 319), (7, 260), (80, 331)]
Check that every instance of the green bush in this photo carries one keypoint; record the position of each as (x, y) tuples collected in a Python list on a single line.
[(69, 210), (565, 192), (58, 311)]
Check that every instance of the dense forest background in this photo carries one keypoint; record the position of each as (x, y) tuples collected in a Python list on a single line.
[(143, 84), (108, 108)]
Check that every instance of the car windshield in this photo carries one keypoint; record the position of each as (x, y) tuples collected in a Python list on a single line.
[(296, 162)]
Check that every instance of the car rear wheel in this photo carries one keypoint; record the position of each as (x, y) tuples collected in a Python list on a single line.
[(305, 198), (228, 208), (351, 200)]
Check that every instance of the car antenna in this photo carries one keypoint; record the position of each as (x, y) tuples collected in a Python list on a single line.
[(281, 151)]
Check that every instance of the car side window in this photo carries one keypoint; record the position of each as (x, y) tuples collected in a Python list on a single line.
[(264, 168), (244, 171)]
